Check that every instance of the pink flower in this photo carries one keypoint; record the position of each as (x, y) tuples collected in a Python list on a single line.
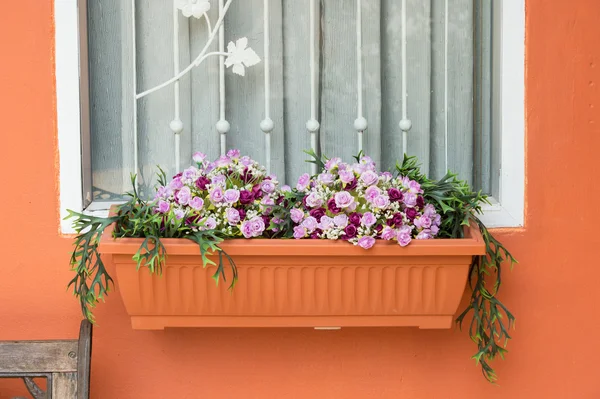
[(184, 195), (233, 154), (410, 199), (210, 223), (371, 193), (297, 215), (332, 163), (179, 214), (299, 232), (403, 236), (310, 224), (176, 184), (388, 233), (381, 201), (253, 227), (246, 160), (424, 235), (216, 195), (223, 161), (424, 222), (434, 230), (163, 206), (366, 242), (286, 189), (314, 201), (199, 157), (429, 210), (267, 186), (233, 216), (218, 180), (369, 178), (326, 223), (341, 221), (197, 203), (303, 182), (189, 173), (368, 219), (343, 199), (414, 187), (232, 195), (346, 176), (326, 178), (387, 176)]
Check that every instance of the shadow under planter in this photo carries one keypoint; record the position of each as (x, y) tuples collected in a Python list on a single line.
[(298, 283)]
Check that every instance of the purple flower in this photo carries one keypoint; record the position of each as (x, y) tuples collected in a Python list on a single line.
[(420, 201), (299, 232), (387, 176), (343, 199), (246, 160), (233, 154), (429, 210), (242, 213), (333, 208), (163, 192), (411, 213), (297, 215), (355, 219), (326, 178), (256, 191), (218, 180), (434, 230), (424, 222), (381, 201), (202, 182), (232, 195), (350, 231), (196, 203), (163, 206), (267, 186), (414, 187), (326, 223), (303, 182), (371, 193), (199, 157), (369, 178), (233, 216), (410, 199), (216, 195), (388, 233), (351, 186), (310, 224), (253, 227), (246, 197), (223, 161), (369, 219), (317, 213), (341, 221), (366, 242), (313, 200), (395, 194), (286, 189)]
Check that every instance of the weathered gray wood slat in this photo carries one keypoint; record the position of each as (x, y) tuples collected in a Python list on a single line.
[(84, 360), (38, 356), (64, 385)]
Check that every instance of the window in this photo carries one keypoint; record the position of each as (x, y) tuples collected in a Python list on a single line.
[(460, 85)]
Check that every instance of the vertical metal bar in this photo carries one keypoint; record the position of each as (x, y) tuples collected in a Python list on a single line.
[(84, 90), (176, 124), (222, 125), (267, 124), (134, 83), (312, 125), (446, 19), (360, 124), (405, 123)]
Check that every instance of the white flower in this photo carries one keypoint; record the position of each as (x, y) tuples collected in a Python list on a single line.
[(197, 8), (240, 55)]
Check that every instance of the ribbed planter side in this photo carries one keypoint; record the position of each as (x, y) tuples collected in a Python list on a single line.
[(287, 283)]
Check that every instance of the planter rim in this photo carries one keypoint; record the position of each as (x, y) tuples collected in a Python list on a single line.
[(471, 244)]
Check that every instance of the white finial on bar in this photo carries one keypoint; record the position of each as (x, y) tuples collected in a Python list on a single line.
[(312, 125), (222, 125), (267, 124), (360, 124), (176, 124), (405, 124)]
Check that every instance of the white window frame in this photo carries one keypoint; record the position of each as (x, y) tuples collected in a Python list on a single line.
[(509, 103)]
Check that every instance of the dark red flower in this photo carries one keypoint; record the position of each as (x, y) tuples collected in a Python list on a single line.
[(242, 213), (397, 219), (352, 185), (350, 231), (246, 197), (395, 194), (202, 182), (316, 234), (317, 213), (411, 213), (420, 201), (355, 219), (257, 191), (333, 208)]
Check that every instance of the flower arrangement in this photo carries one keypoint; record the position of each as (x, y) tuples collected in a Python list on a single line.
[(357, 204), (233, 197)]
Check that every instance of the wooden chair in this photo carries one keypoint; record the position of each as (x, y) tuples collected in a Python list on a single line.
[(64, 363)]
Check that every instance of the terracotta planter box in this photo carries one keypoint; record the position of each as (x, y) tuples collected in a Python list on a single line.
[(298, 283)]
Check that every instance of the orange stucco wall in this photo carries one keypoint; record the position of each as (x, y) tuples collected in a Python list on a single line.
[(553, 291)]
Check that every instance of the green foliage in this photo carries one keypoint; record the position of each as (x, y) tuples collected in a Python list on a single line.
[(459, 206), (135, 218)]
